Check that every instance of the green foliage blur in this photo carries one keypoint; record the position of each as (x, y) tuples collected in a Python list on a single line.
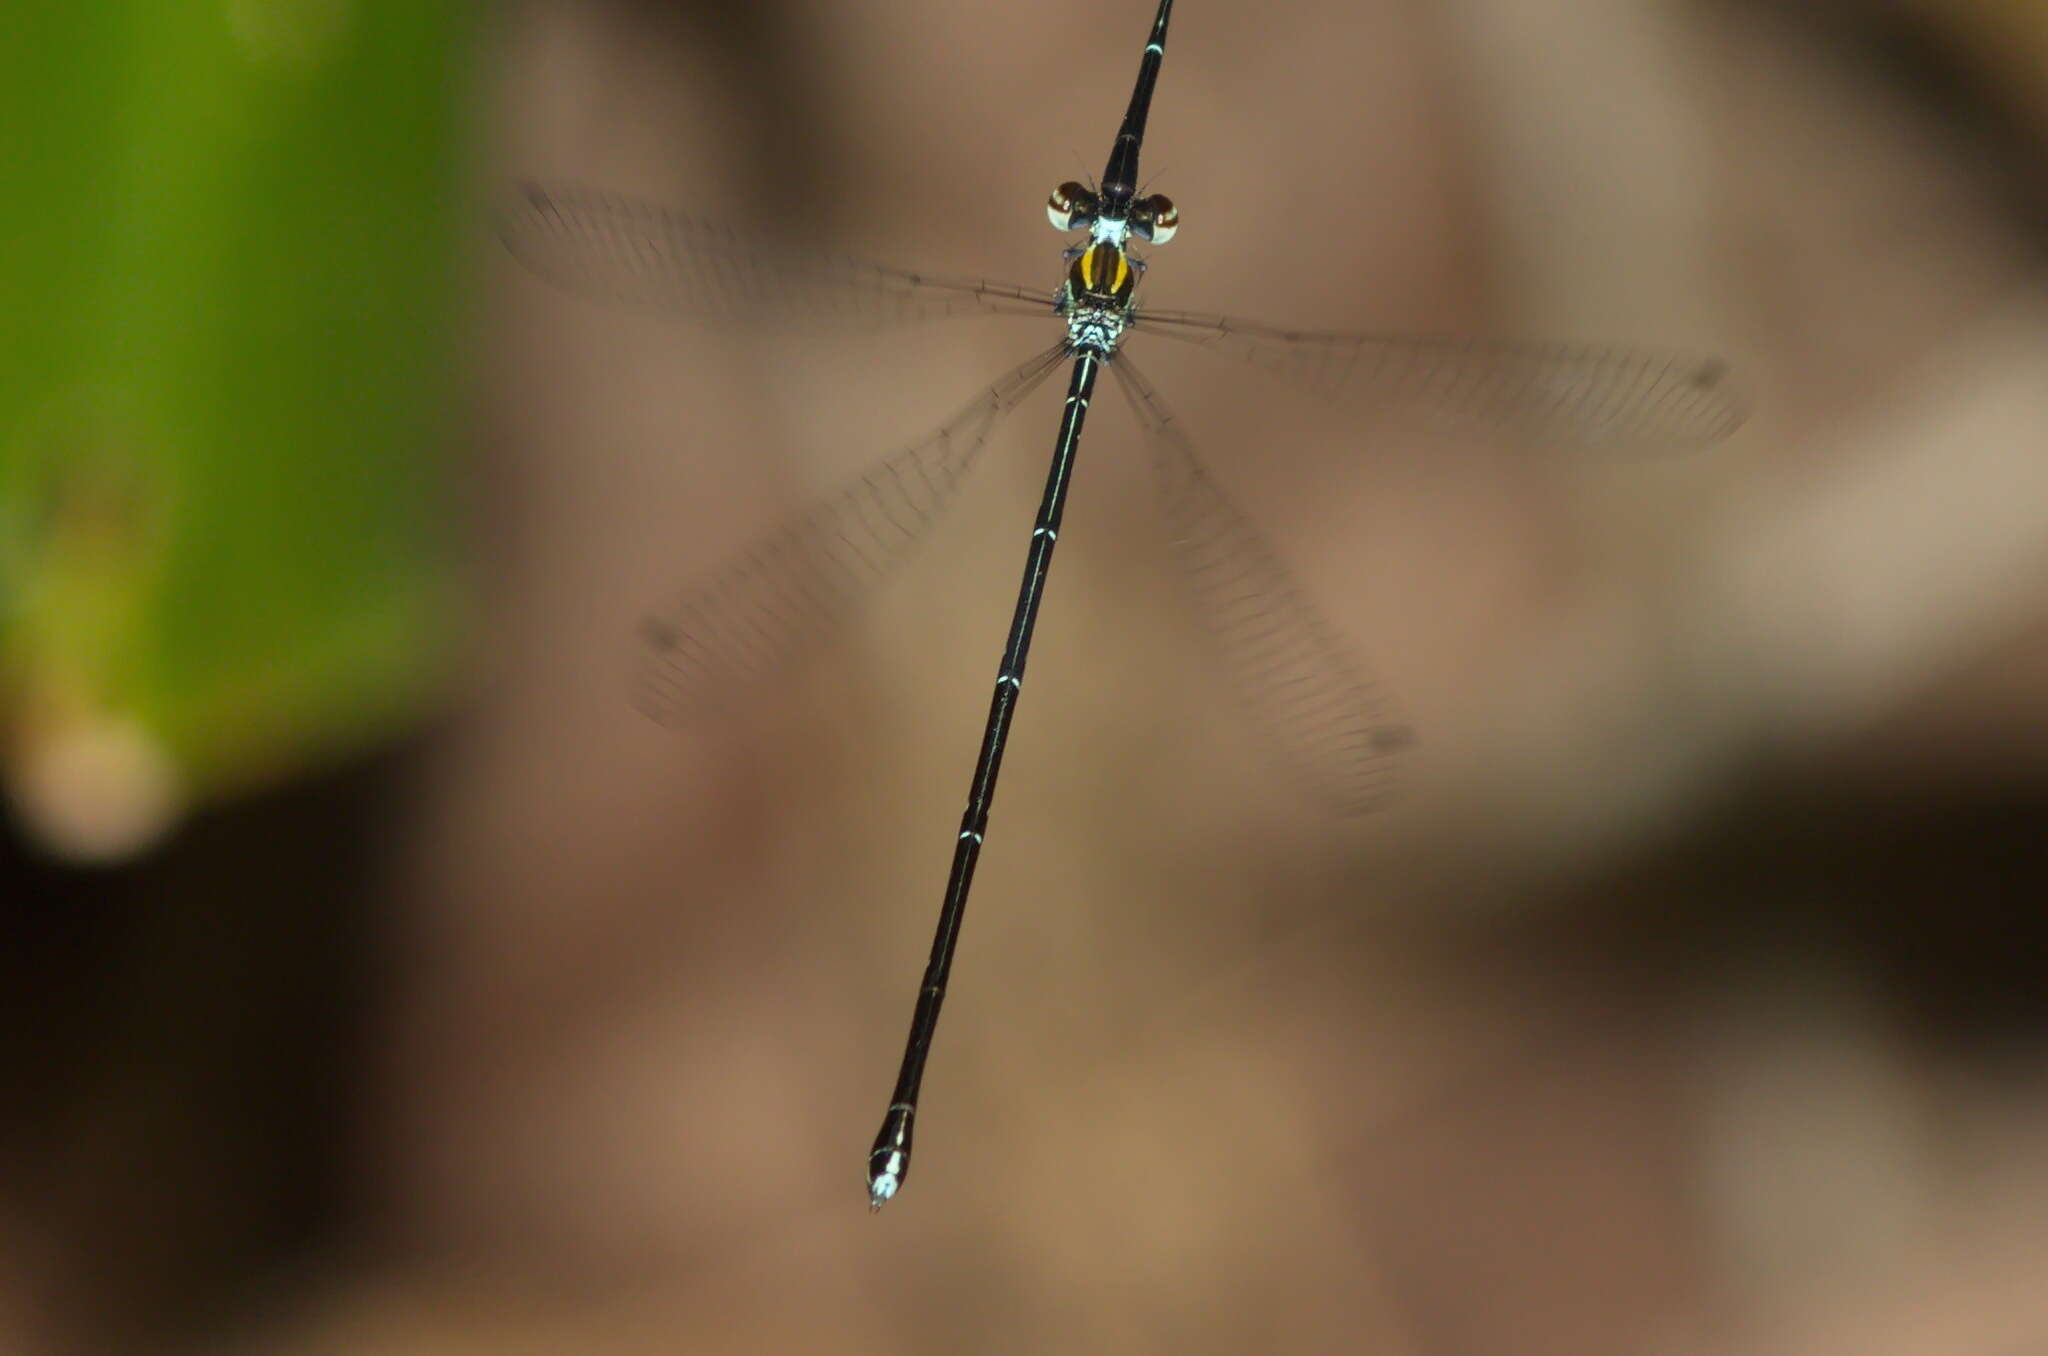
[(228, 268)]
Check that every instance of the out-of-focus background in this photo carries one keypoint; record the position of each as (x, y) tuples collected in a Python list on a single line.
[(376, 979)]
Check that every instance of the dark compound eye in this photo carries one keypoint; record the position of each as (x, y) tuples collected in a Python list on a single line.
[(1155, 218), (1072, 207)]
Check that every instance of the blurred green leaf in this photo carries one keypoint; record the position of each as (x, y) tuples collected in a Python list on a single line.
[(228, 270)]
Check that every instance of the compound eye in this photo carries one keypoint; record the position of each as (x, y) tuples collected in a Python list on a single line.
[(1072, 207), (1155, 218)]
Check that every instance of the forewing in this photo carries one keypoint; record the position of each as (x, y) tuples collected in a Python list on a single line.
[(1581, 395), (627, 252)]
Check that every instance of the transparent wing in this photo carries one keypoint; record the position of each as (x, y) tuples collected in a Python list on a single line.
[(1582, 395), (798, 583), (1335, 724), (637, 254)]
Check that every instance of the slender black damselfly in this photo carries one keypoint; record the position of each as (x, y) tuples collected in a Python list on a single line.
[(1318, 705)]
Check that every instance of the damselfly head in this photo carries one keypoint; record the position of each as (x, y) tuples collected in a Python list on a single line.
[(1155, 218), (1072, 207)]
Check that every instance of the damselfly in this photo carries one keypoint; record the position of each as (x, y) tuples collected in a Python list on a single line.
[(1318, 705)]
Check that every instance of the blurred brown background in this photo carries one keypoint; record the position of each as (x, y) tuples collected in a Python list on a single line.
[(1691, 1003)]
